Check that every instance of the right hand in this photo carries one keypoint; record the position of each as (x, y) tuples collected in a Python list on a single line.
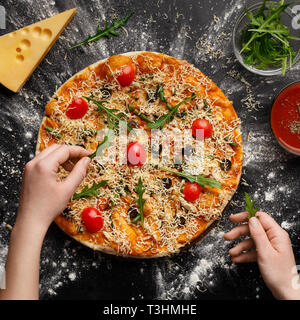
[(270, 246), (44, 196)]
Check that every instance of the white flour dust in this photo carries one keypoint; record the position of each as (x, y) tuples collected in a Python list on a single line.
[(182, 279)]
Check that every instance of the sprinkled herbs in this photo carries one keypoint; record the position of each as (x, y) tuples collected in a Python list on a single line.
[(107, 31)]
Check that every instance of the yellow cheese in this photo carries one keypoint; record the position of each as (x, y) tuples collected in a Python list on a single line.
[(22, 51)]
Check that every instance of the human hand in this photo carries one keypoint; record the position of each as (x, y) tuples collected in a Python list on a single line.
[(270, 246), (44, 196)]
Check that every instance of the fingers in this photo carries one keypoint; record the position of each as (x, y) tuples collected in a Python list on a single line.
[(77, 175), (239, 231), (45, 152), (246, 257), (275, 233), (259, 235), (239, 217), (62, 154), (268, 223), (242, 246)]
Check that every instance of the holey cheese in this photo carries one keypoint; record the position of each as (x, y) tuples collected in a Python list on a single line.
[(22, 51)]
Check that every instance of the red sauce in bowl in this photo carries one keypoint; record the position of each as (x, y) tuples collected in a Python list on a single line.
[(285, 118)]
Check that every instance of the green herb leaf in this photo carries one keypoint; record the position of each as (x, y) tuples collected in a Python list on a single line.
[(113, 119), (139, 114), (89, 192), (201, 179), (167, 118), (265, 41), (100, 147), (107, 31), (140, 191), (53, 132), (231, 142), (250, 206)]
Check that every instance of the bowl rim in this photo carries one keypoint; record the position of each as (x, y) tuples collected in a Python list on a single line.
[(270, 116), (262, 72)]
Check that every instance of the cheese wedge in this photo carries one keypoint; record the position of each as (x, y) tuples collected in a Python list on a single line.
[(22, 51)]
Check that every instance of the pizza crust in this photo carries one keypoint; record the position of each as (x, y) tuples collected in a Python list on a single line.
[(110, 250)]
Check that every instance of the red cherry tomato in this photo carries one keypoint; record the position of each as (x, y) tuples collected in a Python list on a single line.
[(204, 125), (92, 219), (77, 108), (191, 191), (136, 154), (127, 75)]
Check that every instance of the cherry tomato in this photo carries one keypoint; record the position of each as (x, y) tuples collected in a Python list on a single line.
[(92, 219), (136, 154), (204, 125), (191, 191), (126, 75), (77, 108)]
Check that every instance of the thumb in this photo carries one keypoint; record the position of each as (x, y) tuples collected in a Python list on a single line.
[(259, 236), (77, 174)]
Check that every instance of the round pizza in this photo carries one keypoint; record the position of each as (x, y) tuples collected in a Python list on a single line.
[(165, 148)]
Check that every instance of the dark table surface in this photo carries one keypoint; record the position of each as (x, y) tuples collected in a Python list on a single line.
[(196, 31)]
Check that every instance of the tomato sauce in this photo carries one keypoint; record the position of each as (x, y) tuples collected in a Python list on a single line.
[(285, 118)]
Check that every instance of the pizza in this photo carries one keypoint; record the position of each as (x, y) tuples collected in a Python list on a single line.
[(166, 153)]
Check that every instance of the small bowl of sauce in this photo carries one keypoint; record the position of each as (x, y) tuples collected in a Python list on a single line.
[(285, 118)]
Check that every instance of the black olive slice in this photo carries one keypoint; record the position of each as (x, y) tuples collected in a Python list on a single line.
[(225, 165), (133, 124), (133, 212), (167, 182)]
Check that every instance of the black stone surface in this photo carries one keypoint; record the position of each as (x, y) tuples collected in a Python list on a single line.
[(71, 271)]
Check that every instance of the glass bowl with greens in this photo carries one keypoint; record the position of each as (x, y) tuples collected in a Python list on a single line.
[(266, 39)]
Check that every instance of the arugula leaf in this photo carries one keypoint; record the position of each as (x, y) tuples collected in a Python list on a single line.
[(250, 206), (112, 118), (201, 179), (108, 31), (160, 122), (139, 114), (140, 201), (53, 132), (231, 142), (88, 192), (265, 41), (100, 147)]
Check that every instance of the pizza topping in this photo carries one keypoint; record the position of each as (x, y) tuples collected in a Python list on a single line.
[(106, 93), (126, 75), (191, 191), (201, 179), (181, 221), (139, 114), (136, 154), (167, 118), (167, 182), (133, 212), (133, 124), (77, 109), (53, 132), (225, 165), (92, 219), (89, 192), (113, 118), (202, 124), (140, 201)]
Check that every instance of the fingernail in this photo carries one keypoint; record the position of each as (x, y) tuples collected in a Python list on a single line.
[(253, 222), (86, 160)]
